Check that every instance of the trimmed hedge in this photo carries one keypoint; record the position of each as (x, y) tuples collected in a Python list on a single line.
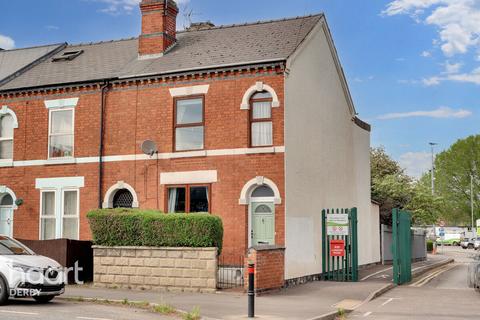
[(133, 227), (429, 245)]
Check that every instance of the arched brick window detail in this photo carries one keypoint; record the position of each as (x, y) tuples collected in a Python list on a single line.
[(121, 195), (8, 122), (259, 87)]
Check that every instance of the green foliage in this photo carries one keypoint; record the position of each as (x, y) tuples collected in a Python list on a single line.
[(453, 169), (129, 227), (429, 245), (392, 188), (193, 315), (164, 309)]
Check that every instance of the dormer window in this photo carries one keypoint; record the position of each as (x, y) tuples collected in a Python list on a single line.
[(68, 55)]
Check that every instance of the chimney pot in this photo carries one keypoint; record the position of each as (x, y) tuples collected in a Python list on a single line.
[(159, 27), (204, 25)]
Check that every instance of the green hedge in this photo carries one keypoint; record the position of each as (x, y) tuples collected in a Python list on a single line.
[(429, 245), (131, 227)]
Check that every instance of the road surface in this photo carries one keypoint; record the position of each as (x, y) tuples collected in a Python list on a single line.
[(441, 294), (62, 309)]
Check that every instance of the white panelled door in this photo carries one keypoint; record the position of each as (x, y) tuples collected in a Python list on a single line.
[(6, 220)]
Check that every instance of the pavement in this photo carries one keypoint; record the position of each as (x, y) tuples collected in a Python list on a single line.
[(315, 300), (440, 294)]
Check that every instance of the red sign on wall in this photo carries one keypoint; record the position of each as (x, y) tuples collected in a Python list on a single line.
[(337, 248)]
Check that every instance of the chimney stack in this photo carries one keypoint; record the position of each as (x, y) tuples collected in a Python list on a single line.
[(159, 27)]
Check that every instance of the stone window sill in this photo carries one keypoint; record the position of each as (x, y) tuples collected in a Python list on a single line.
[(6, 163)]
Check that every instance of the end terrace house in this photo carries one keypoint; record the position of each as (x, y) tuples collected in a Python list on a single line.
[(252, 122)]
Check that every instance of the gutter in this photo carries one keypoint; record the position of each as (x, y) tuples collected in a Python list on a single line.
[(104, 91)]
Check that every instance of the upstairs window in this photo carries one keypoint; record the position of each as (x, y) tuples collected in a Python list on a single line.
[(6, 137), (61, 133), (189, 124), (188, 198), (261, 124)]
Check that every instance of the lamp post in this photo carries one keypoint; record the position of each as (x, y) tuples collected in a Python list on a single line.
[(432, 173), (471, 197)]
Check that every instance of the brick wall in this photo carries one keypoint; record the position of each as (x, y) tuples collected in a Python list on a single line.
[(269, 264), (170, 269), (136, 112)]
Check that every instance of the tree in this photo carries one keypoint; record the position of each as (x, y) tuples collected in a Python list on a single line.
[(453, 169), (393, 188)]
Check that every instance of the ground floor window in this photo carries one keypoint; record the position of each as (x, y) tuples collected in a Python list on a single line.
[(59, 214), (188, 198), (123, 199)]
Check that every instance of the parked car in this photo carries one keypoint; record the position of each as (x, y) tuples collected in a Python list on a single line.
[(24, 274), (476, 244), (467, 243)]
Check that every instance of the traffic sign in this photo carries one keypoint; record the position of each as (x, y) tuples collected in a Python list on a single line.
[(442, 232), (337, 248)]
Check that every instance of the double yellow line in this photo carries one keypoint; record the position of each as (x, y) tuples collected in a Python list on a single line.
[(429, 277)]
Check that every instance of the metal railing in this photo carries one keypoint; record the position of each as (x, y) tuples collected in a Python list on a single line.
[(231, 272)]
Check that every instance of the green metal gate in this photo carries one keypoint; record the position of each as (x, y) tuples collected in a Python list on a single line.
[(401, 247), (340, 268)]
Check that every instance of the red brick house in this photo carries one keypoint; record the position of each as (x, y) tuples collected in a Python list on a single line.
[(252, 122)]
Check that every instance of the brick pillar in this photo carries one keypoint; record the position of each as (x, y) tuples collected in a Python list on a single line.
[(269, 267)]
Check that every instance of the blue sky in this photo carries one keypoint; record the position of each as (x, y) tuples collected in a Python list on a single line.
[(413, 65)]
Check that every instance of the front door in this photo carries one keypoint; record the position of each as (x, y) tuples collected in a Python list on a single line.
[(6, 221), (263, 223)]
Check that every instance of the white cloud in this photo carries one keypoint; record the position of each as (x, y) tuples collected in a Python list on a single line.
[(451, 68), (470, 77), (442, 112), (415, 163), (116, 7), (457, 21), (426, 54), (51, 27), (6, 42)]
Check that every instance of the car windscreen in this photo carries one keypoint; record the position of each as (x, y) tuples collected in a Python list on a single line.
[(9, 246)]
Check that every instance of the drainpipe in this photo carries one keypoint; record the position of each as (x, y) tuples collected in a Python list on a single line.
[(104, 89)]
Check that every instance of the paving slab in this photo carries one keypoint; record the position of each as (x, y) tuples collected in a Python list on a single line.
[(307, 301)]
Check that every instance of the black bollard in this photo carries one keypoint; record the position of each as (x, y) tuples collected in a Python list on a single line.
[(251, 290)]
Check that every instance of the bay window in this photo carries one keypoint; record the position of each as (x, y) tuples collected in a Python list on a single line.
[(189, 124), (261, 124), (188, 198), (61, 133)]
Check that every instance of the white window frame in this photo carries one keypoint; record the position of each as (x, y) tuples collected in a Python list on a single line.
[(50, 135), (54, 217), (2, 139), (77, 216), (59, 213)]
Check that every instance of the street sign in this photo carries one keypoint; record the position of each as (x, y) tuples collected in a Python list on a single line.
[(337, 248), (337, 224), (441, 233)]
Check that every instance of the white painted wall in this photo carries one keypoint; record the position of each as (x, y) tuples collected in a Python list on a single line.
[(326, 154)]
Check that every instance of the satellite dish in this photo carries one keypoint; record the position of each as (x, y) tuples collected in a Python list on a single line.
[(149, 147)]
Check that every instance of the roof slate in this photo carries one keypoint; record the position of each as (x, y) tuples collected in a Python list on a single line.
[(203, 49), (12, 61)]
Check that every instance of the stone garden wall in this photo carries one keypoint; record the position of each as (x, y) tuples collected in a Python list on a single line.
[(146, 268)]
